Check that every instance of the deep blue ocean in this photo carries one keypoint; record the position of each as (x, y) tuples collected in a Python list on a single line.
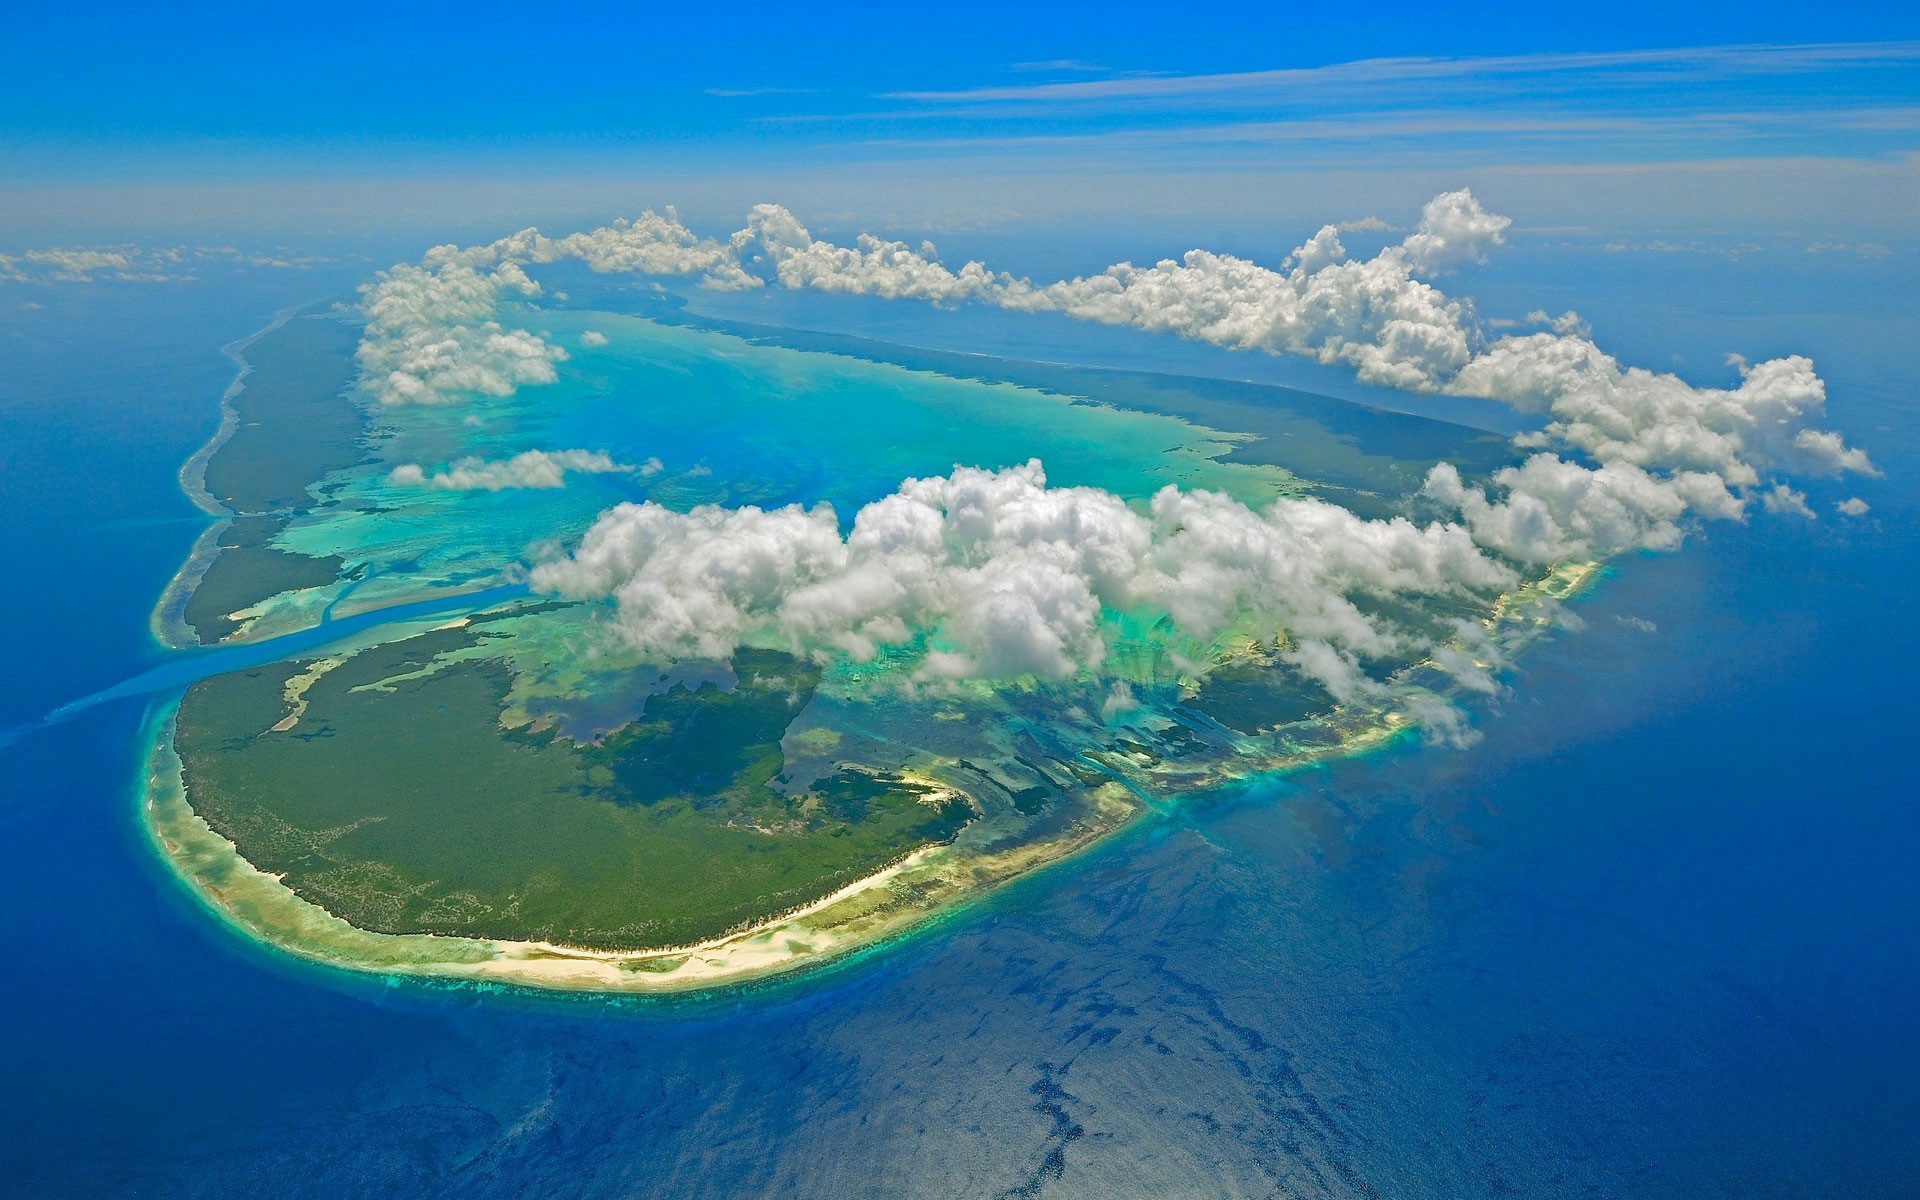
[(1658, 934)]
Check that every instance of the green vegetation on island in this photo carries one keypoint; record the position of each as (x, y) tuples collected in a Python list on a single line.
[(247, 570), (293, 424), (386, 790), (508, 779)]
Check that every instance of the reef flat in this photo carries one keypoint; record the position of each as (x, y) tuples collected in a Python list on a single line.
[(518, 795)]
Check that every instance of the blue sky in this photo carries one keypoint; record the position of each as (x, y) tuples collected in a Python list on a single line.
[(1768, 116), (102, 90)]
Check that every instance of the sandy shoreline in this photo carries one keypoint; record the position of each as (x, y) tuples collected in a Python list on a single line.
[(167, 622), (892, 901), (888, 902)]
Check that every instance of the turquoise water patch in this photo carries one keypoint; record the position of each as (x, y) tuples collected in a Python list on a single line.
[(709, 418)]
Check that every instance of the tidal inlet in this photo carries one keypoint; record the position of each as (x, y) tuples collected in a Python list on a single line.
[(551, 631)]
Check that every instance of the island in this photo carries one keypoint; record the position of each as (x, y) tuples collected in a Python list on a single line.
[(500, 791)]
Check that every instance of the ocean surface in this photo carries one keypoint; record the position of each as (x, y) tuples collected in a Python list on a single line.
[(1657, 934)]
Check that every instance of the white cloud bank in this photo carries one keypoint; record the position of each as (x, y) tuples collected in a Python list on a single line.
[(432, 334), (134, 263), (78, 265), (1015, 578), (1647, 449), (1651, 447), (530, 469), (431, 337)]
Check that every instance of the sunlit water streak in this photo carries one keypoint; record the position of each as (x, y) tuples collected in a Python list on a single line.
[(186, 667)]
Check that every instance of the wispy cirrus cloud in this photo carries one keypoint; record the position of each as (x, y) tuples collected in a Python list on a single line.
[(1062, 66), (1704, 63), (1430, 123), (1838, 100), (734, 93), (1441, 138), (1856, 87)]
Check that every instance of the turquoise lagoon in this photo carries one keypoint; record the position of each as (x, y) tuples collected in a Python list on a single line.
[(730, 416)]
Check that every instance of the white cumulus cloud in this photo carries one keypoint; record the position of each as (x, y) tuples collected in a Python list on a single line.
[(1372, 315), (1014, 578), (1640, 450), (651, 244), (431, 336), (1782, 499), (530, 469), (1626, 456), (432, 333), (871, 267), (1553, 510)]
